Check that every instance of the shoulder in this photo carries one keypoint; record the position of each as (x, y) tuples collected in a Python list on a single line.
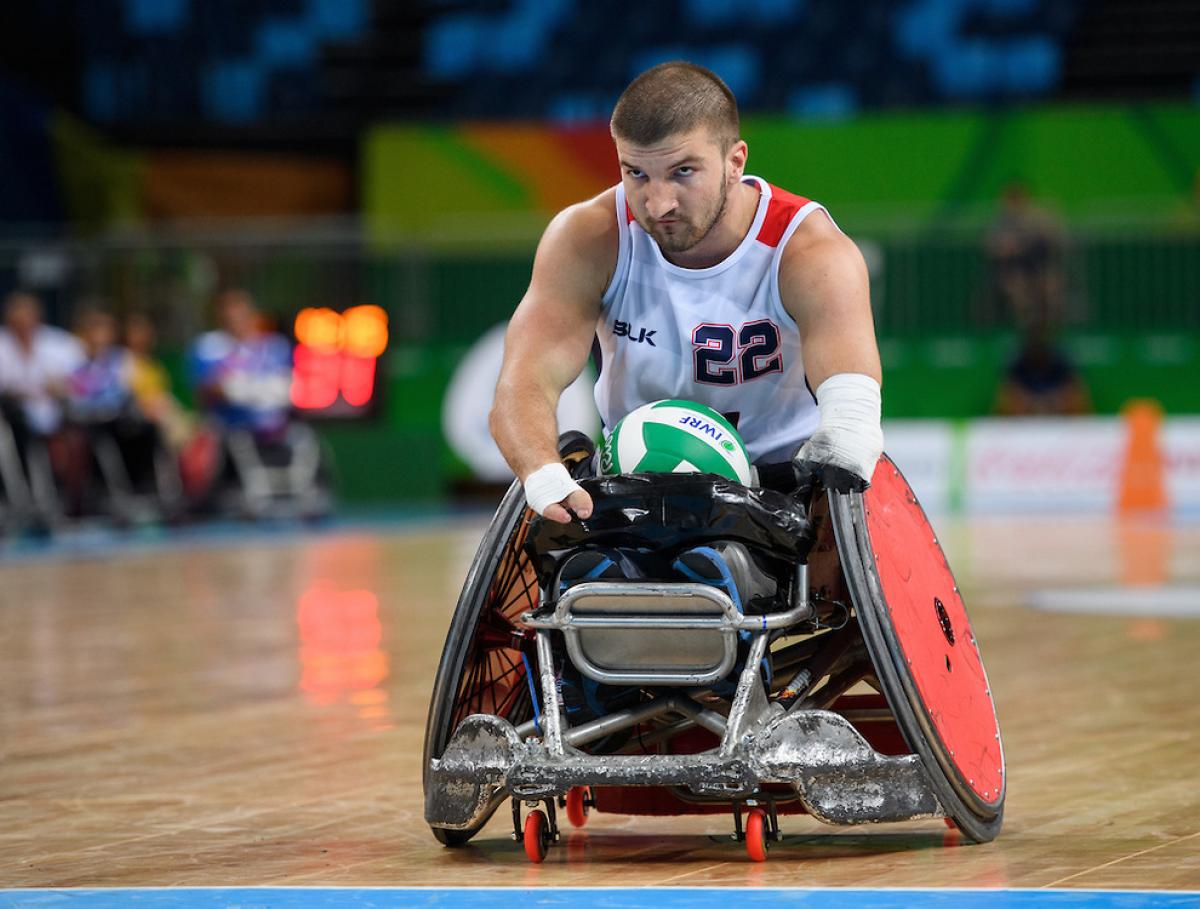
[(816, 255), (57, 338), (212, 345), (577, 254), (59, 346), (589, 227)]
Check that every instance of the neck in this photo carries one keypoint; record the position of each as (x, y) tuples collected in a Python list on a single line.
[(727, 234)]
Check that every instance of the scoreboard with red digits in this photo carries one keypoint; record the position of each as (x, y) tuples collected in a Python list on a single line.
[(335, 370)]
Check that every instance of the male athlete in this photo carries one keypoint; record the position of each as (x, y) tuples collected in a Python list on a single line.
[(700, 283)]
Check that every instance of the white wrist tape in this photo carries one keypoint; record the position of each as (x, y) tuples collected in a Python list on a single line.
[(547, 485), (848, 435)]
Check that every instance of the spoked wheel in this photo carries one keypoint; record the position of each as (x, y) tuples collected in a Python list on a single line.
[(578, 805), (484, 660), (756, 835), (536, 836), (487, 655)]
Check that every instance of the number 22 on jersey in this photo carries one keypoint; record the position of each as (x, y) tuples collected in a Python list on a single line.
[(723, 355)]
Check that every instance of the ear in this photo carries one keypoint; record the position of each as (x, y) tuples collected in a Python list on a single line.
[(735, 160)]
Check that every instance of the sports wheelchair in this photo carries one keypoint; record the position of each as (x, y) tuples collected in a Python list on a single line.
[(17, 503), (283, 475), (126, 471), (29, 494), (668, 691)]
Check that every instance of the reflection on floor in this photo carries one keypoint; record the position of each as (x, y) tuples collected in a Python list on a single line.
[(252, 714)]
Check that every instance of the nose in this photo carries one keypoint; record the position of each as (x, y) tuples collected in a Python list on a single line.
[(660, 201)]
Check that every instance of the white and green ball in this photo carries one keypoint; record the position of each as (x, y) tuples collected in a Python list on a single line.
[(675, 437)]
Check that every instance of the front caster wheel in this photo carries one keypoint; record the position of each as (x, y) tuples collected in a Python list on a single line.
[(756, 835), (536, 836)]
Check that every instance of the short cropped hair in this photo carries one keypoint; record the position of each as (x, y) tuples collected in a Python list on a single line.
[(674, 98)]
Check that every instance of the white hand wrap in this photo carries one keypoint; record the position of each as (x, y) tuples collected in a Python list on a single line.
[(848, 435), (547, 485)]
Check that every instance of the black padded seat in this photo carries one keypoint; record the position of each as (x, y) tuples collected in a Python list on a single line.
[(665, 513)]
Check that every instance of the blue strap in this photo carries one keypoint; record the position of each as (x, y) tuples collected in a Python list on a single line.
[(726, 581), (537, 713), (598, 569)]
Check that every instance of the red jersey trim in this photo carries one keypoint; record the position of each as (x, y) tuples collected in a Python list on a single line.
[(780, 210), (628, 214)]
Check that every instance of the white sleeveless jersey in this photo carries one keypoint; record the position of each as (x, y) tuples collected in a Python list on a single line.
[(719, 336)]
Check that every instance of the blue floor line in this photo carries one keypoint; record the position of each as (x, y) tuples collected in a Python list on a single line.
[(601, 898)]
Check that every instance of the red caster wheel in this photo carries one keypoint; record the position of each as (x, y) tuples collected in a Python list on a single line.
[(756, 835), (537, 836), (579, 802)]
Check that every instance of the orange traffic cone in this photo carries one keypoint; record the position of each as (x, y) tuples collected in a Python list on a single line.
[(1143, 472)]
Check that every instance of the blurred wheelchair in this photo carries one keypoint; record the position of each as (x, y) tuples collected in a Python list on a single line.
[(30, 498), (285, 474), (18, 506), (698, 646), (258, 461)]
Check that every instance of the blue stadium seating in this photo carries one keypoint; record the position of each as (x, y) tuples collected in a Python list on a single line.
[(805, 56), (174, 60), (233, 61)]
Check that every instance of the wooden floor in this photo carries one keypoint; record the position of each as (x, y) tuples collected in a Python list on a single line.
[(251, 712)]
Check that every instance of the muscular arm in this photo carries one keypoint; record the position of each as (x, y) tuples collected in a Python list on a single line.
[(823, 285), (550, 336)]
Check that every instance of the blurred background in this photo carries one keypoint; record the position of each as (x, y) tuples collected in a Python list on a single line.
[(282, 234)]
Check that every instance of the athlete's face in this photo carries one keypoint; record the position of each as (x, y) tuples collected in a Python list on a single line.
[(677, 190)]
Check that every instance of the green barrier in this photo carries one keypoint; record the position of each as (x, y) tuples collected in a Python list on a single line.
[(400, 455), (939, 377)]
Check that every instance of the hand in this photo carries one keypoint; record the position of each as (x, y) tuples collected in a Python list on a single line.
[(552, 493), (841, 455), (578, 502), (811, 474), (818, 463)]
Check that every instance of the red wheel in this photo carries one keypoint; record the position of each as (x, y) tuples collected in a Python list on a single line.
[(917, 632), (579, 800), (756, 835), (537, 836), (934, 640)]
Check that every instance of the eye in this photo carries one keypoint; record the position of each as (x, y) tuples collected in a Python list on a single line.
[(685, 171), (635, 173)]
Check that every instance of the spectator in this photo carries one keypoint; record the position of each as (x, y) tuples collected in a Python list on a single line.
[(107, 428), (35, 360), (242, 372), (1041, 381), (1026, 248), (99, 389), (151, 386)]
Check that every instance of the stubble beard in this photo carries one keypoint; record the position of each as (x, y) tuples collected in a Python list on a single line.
[(677, 242)]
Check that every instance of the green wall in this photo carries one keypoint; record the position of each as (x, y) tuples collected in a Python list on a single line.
[(909, 168)]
